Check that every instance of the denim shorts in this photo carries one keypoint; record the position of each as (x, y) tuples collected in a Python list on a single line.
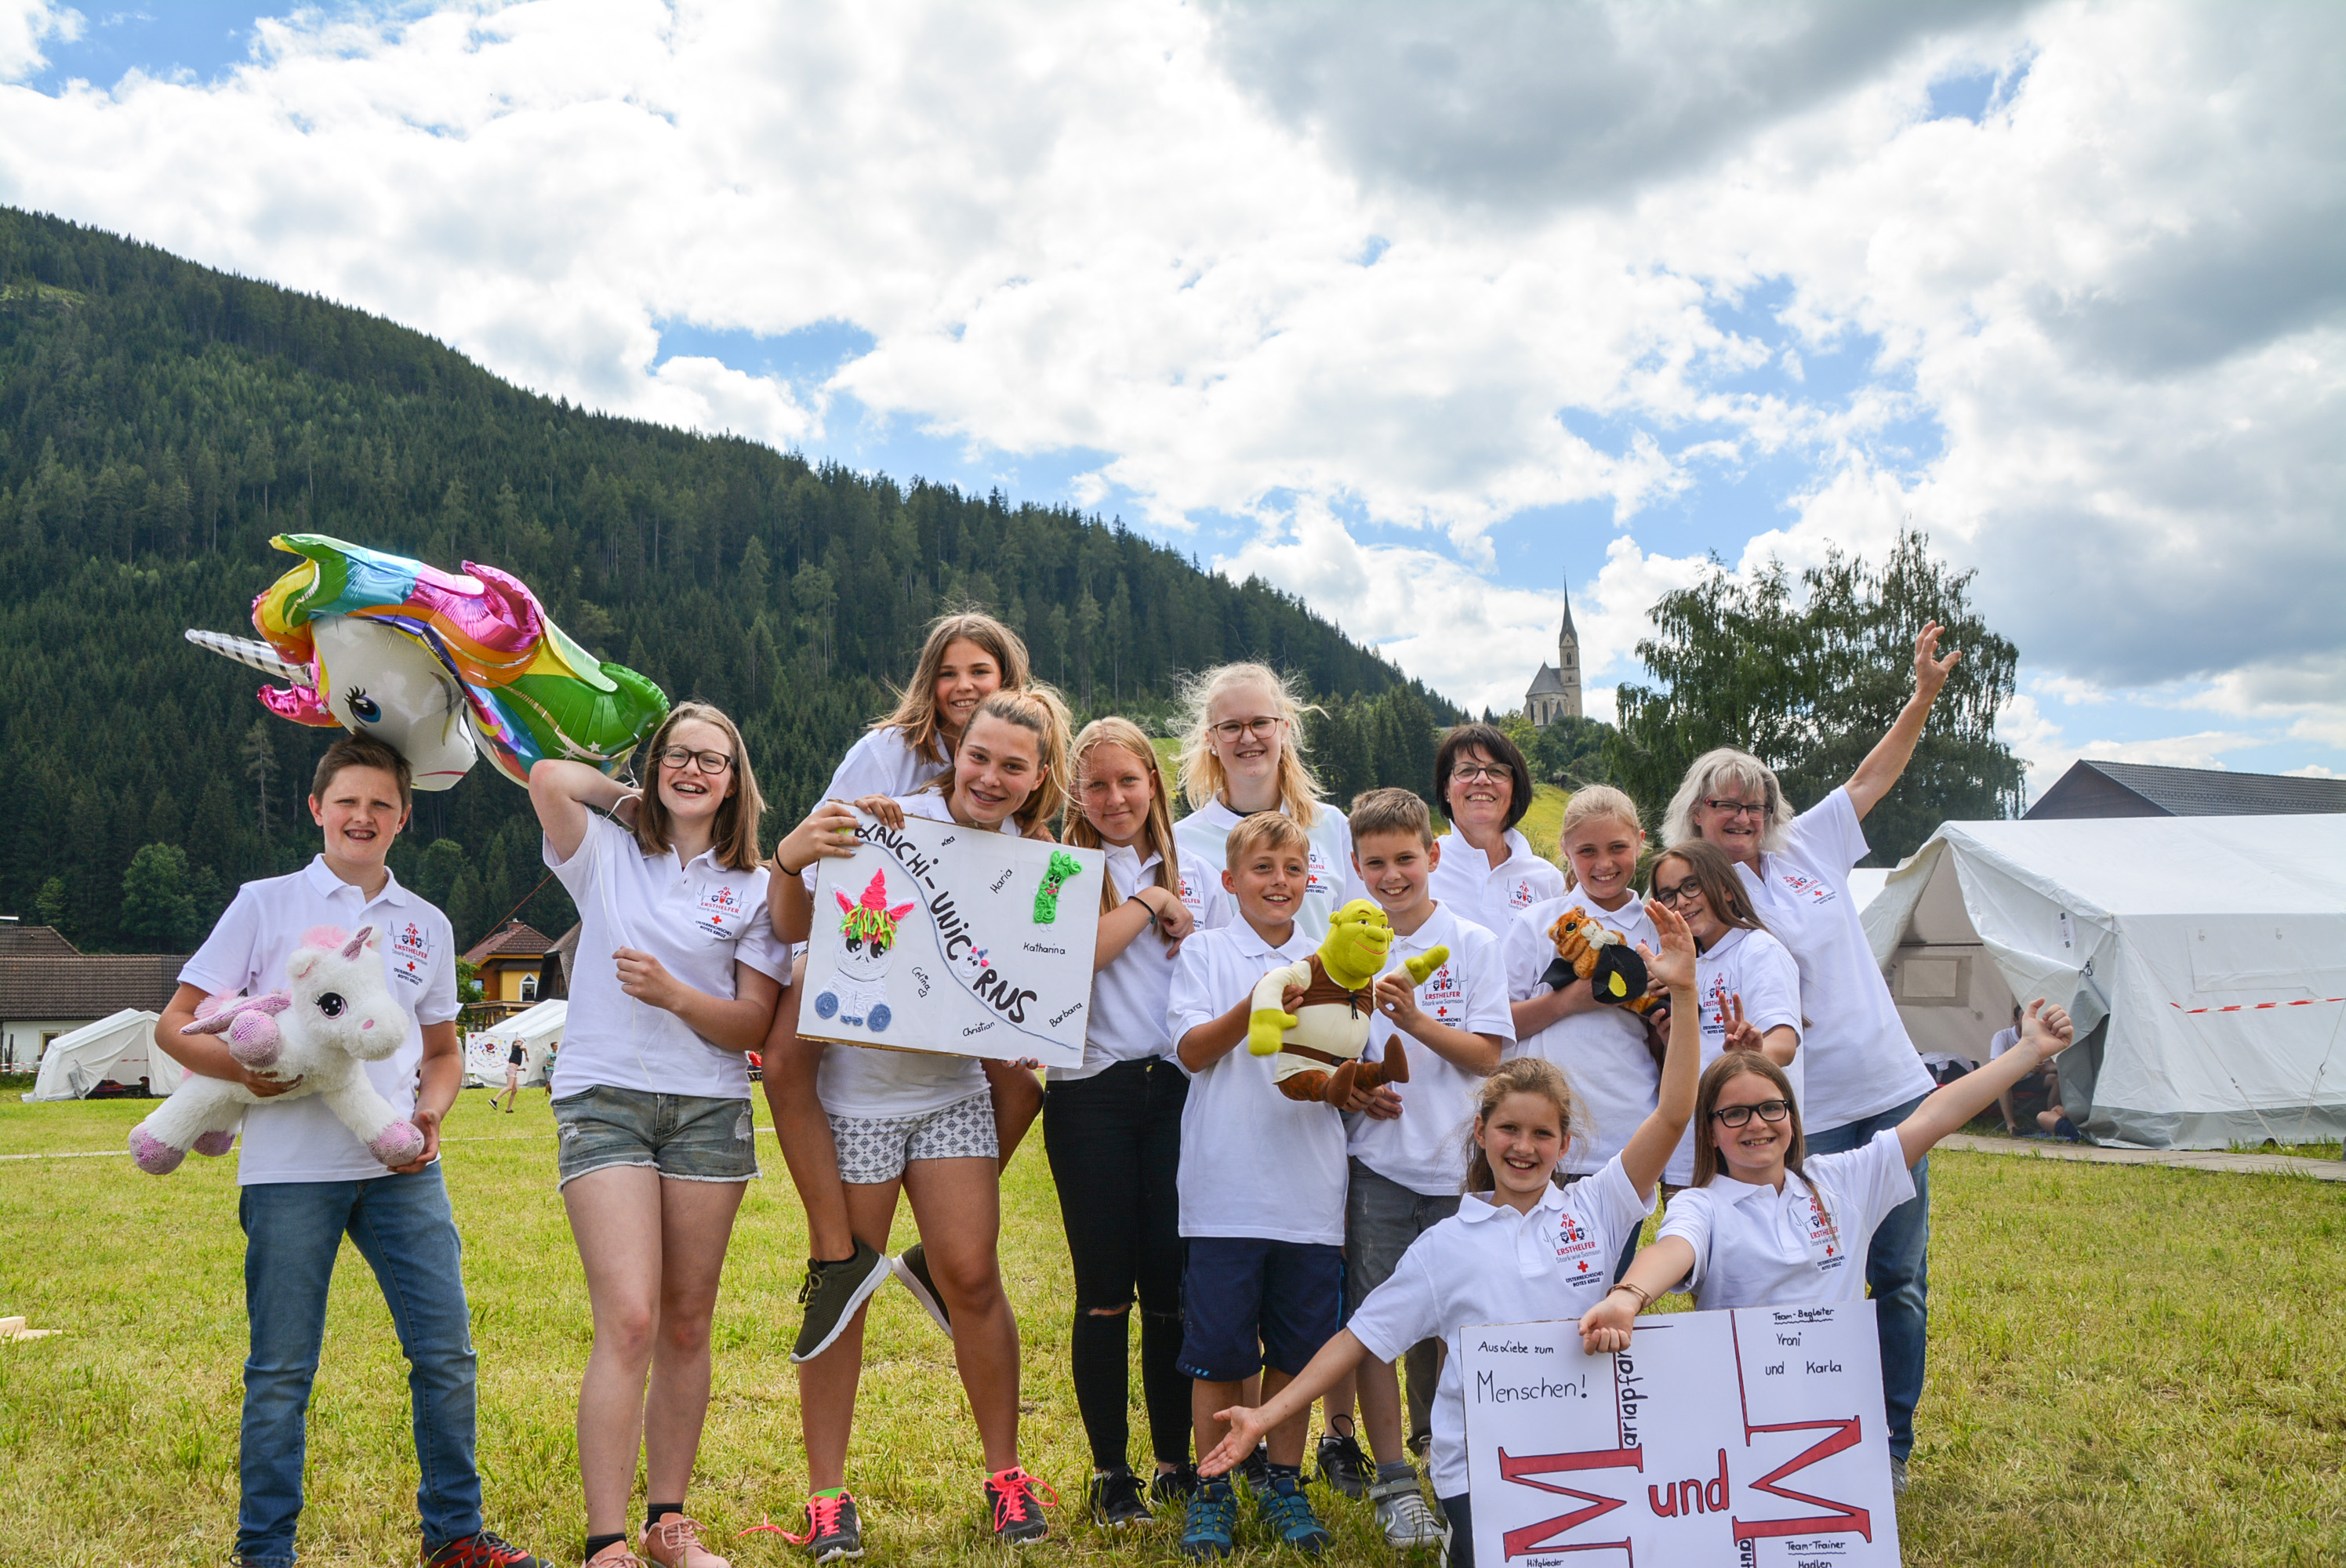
[(689, 1137), (875, 1149), (1248, 1303)]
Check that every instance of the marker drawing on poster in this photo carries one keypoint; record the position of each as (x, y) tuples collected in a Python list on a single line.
[(936, 937), (1749, 1438)]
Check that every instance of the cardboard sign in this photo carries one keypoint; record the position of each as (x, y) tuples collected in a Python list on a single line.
[(1749, 1438), (936, 937)]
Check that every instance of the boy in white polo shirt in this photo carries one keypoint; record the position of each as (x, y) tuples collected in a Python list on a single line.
[(1262, 1186), (306, 1181), (1408, 1151)]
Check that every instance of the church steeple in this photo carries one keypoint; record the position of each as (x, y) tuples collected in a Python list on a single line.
[(1555, 690)]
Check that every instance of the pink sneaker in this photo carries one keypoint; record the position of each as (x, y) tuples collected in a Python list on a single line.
[(674, 1543)]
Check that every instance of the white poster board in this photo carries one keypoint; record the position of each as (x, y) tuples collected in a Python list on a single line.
[(1749, 1438), (936, 937)]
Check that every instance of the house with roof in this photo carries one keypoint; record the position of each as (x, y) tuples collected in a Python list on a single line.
[(511, 964), (49, 988), (1555, 692), (2142, 789)]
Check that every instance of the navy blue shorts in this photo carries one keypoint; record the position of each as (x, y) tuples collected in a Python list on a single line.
[(1246, 1304)]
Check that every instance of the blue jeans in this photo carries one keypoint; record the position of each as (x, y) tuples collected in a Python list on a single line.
[(403, 1229), (1898, 1271)]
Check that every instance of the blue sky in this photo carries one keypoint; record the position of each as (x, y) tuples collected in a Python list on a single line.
[(1415, 312)]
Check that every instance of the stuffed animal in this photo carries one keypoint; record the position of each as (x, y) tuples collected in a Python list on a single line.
[(1606, 959), (1329, 1026), (337, 1014)]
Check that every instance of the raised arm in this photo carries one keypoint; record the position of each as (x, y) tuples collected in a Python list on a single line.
[(1247, 1424), (566, 794), (1649, 1149), (2043, 1035), (1888, 759)]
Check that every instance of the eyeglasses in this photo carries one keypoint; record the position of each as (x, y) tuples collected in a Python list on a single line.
[(1261, 729), (1467, 772), (1738, 1116), (1687, 890), (1737, 808), (707, 762)]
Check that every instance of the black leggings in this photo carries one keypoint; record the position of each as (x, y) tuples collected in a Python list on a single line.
[(1114, 1141)]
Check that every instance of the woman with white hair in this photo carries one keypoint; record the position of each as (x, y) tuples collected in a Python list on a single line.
[(1861, 1073)]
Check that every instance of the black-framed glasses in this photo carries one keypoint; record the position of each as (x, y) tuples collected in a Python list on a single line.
[(1261, 729), (1687, 891), (1467, 772), (707, 762), (1737, 808), (1738, 1116)]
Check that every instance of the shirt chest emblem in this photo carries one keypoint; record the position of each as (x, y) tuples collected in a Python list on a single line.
[(1317, 882), (411, 953), (1520, 897), (1823, 1236), (1576, 1251), (1815, 890), (722, 911), (1443, 996)]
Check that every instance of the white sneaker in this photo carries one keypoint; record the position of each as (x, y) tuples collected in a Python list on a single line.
[(1404, 1517)]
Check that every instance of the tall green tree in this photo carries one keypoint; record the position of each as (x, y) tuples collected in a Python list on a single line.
[(1808, 681), (159, 906)]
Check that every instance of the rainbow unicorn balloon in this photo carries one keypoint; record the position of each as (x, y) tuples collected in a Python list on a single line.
[(443, 666)]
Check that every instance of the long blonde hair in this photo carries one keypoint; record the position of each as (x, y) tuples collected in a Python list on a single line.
[(1156, 833), (916, 704), (1588, 804), (1202, 778), (734, 840), (1038, 710), (1520, 1075)]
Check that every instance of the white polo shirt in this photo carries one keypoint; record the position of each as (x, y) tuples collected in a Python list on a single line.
[(1128, 997), (1753, 965), (881, 763), (1202, 835), (1254, 1163), (1860, 1061), (1487, 1264), (873, 1081), (303, 1140), (698, 920), (1425, 1147), (1602, 1053), (1756, 1246), (1492, 896)]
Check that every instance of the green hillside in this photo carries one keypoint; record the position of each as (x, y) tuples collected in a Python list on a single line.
[(159, 421)]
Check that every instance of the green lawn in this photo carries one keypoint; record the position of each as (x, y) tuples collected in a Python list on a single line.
[(1542, 824), (2128, 1365)]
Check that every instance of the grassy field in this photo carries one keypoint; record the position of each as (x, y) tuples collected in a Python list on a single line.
[(2128, 1365), (1542, 825)]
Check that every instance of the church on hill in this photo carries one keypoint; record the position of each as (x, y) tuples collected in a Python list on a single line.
[(1555, 691)]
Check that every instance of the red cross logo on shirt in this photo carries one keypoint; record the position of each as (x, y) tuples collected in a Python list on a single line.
[(1584, 1265)]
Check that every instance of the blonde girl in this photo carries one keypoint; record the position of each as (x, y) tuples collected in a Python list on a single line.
[(651, 1092), (966, 657), (1480, 1266), (922, 1125), (1242, 752)]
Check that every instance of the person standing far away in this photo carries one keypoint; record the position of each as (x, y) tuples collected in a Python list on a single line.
[(1862, 1074), (306, 1181)]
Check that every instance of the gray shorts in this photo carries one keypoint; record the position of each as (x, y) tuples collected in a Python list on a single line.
[(685, 1137), (1381, 1217), (874, 1150)]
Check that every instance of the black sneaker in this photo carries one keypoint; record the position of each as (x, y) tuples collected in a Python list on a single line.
[(1014, 1497), (831, 1295), (1115, 1501), (1173, 1486), (1255, 1470), (834, 1532), (911, 1267), (1343, 1466)]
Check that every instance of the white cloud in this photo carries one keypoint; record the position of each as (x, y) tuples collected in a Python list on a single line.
[(24, 26)]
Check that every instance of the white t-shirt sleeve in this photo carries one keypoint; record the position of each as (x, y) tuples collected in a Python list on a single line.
[(1487, 1012), (225, 964), (1769, 984), (1191, 1000), (1615, 1201), (440, 1004), (1525, 952), (1402, 1311), (576, 874), (759, 946), (1689, 1217), (1829, 835), (880, 763), (1874, 1179)]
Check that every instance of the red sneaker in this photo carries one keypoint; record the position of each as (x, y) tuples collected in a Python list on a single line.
[(481, 1549)]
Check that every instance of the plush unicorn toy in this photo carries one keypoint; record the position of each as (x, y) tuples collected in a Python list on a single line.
[(337, 1015)]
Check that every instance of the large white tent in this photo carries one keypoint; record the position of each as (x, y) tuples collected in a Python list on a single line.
[(539, 1030), (120, 1046), (2203, 959)]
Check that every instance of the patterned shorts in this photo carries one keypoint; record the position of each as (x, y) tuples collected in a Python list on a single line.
[(874, 1150)]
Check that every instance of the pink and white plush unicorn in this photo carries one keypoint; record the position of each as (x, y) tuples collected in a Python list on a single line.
[(337, 1015)]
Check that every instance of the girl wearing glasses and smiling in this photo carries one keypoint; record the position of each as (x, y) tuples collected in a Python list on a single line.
[(651, 1092), (1863, 1075)]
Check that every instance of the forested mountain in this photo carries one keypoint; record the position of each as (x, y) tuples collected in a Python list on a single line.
[(161, 421)]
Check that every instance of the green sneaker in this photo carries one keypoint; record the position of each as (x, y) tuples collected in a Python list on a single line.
[(831, 1295)]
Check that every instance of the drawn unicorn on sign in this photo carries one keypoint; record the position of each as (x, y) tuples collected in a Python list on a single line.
[(867, 933)]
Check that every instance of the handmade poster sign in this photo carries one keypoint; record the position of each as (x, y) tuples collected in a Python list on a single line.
[(1745, 1437), (936, 937)]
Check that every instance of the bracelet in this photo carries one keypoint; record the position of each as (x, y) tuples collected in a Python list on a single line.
[(1645, 1298)]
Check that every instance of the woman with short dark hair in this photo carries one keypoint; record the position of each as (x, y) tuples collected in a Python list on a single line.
[(1483, 868)]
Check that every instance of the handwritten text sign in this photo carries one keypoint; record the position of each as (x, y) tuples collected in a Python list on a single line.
[(935, 937), (1745, 1437)]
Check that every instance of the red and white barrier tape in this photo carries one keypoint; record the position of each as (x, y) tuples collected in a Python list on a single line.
[(2258, 1006)]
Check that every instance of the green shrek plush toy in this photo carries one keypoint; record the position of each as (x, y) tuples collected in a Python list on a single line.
[(1319, 1044)]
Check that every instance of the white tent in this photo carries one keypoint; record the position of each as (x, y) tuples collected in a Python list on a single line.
[(2203, 958), (1865, 885), (120, 1047), (539, 1030)]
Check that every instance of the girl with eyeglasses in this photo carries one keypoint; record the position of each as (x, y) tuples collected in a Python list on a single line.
[(1484, 869), (1748, 986), (677, 976), (1767, 1223)]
